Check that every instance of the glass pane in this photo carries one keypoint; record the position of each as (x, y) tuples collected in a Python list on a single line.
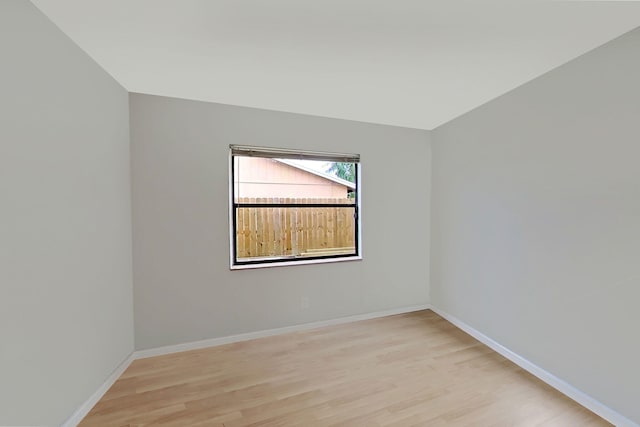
[(281, 233), (267, 180)]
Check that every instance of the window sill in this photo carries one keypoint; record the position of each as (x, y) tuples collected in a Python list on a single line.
[(300, 262)]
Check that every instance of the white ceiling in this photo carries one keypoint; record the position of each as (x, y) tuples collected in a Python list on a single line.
[(412, 63)]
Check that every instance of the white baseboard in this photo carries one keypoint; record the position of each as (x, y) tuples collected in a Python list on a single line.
[(195, 345), (84, 409), (555, 382)]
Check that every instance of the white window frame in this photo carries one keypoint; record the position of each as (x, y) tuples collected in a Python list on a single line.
[(290, 261)]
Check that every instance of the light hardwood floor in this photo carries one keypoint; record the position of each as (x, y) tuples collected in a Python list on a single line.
[(412, 369)]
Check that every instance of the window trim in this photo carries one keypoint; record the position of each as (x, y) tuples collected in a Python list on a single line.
[(289, 261)]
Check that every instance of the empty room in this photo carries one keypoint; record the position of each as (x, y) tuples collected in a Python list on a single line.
[(231, 213)]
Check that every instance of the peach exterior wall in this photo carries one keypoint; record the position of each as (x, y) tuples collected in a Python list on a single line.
[(260, 177)]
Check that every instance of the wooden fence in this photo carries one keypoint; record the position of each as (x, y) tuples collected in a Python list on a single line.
[(275, 232)]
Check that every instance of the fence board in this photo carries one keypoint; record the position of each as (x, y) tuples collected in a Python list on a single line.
[(240, 232)]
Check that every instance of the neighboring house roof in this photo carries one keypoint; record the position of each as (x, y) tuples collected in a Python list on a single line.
[(324, 175)]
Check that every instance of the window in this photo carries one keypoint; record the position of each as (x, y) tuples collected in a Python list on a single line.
[(290, 207)]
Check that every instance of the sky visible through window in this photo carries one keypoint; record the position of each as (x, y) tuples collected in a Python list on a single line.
[(316, 165)]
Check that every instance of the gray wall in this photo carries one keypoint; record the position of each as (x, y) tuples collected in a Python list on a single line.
[(184, 290), (536, 222), (66, 318)]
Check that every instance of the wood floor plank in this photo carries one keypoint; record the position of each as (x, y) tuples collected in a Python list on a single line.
[(412, 369)]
